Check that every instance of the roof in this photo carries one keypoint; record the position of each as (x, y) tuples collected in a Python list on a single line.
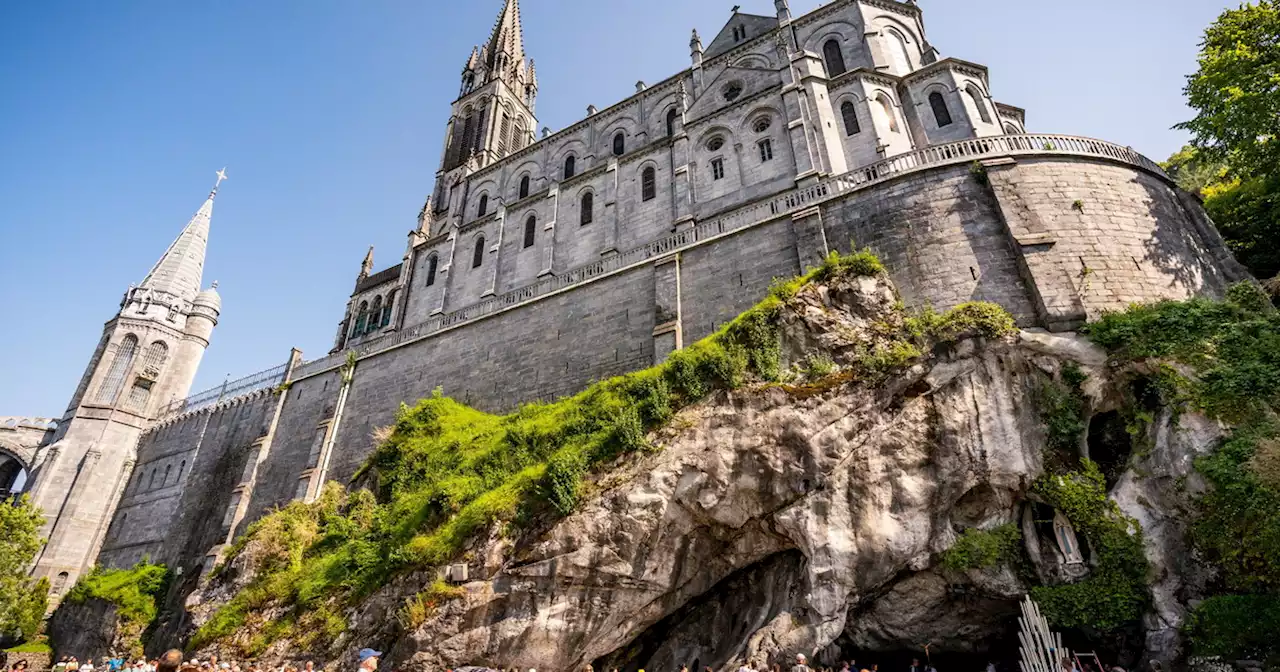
[(179, 269), (755, 25), (380, 278)]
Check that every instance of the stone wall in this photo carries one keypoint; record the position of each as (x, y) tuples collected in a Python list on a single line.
[(1053, 239)]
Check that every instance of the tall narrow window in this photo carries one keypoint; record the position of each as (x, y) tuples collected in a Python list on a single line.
[(530, 227), (648, 184), (850, 115), (570, 166), (151, 481), (585, 211), (976, 96), (362, 319), (477, 255), (834, 57), (181, 468), (375, 315), (167, 470), (504, 135), (940, 112), (521, 137), (717, 168), (524, 187), (766, 150), (898, 54), (483, 208), (671, 122), (886, 111), (154, 357), (120, 367), (386, 309), (619, 144), (432, 263)]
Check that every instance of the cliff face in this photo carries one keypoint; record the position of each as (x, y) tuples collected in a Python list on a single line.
[(821, 516)]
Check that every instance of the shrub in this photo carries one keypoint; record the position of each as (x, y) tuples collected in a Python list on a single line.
[(979, 549), (135, 592), (1237, 627)]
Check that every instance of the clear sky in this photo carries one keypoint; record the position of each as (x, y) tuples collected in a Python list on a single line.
[(329, 115)]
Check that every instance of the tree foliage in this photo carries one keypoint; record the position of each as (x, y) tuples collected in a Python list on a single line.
[(22, 599)]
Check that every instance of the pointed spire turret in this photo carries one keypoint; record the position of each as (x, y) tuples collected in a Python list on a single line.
[(366, 267), (506, 44), (178, 272)]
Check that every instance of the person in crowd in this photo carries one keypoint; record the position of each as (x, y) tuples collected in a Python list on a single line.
[(747, 666), (801, 665), (369, 659), (170, 661), (88, 665), (61, 665)]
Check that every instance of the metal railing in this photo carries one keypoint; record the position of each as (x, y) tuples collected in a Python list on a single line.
[(227, 390), (760, 212)]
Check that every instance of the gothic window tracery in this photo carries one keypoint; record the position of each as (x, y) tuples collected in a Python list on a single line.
[(834, 57), (120, 367), (648, 184), (362, 318), (530, 229), (477, 254), (585, 214), (375, 315), (386, 309), (941, 114), (850, 116)]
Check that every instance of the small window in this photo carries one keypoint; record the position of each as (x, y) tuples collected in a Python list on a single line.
[(151, 481), (648, 184), (714, 144), (432, 262), (762, 124), (477, 255), (619, 144), (524, 187), (766, 150), (167, 470), (834, 57), (586, 214), (530, 227), (671, 122), (731, 91), (940, 112), (850, 115), (570, 165), (717, 169), (483, 208), (182, 467)]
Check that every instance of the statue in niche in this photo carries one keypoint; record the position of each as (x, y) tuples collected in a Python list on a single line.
[(1068, 544)]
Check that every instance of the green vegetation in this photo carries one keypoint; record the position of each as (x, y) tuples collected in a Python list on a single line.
[(22, 599), (1229, 352), (447, 473), (135, 593), (38, 645), (1062, 406), (422, 606), (1115, 592), (979, 549)]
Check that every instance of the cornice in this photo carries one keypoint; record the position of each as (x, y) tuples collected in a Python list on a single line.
[(954, 64)]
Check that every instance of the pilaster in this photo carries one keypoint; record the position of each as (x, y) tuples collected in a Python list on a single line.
[(811, 238), (611, 207), (667, 316), (549, 232)]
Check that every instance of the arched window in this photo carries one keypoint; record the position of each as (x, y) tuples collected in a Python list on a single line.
[(120, 367), (362, 318), (477, 255), (375, 314), (570, 166), (648, 184), (619, 144), (60, 583), (1010, 129), (181, 468), (886, 112), (167, 470), (900, 58), (834, 57), (976, 96), (671, 122), (585, 214), (524, 187), (504, 135), (940, 112), (153, 359), (151, 481), (850, 115), (386, 309), (521, 136), (433, 262), (483, 208), (530, 227)]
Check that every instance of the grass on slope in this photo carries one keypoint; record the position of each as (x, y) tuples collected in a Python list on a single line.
[(135, 592), (448, 472)]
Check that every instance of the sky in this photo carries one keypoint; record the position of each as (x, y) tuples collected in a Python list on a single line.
[(329, 117)]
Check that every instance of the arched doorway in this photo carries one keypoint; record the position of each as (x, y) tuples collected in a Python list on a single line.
[(13, 473)]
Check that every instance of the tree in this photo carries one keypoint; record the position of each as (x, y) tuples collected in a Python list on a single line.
[(1236, 91), (22, 600)]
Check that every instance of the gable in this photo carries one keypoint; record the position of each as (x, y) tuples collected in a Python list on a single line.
[(753, 24), (712, 99)]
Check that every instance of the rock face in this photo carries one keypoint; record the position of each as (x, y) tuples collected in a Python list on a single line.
[(86, 630), (781, 519)]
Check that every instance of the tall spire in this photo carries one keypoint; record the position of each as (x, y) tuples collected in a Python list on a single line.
[(506, 45), (180, 268)]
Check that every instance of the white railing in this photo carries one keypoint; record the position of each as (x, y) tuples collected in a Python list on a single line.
[(227, 390), (760, 212)]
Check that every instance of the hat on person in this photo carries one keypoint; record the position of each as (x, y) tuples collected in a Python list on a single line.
[(366, 654)]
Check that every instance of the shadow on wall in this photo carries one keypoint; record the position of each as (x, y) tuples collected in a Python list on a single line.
[(1184, 246)]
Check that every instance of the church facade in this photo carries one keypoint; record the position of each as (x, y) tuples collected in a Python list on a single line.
[(545, 261)]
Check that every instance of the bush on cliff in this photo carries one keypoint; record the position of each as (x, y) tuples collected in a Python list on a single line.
[(135, 592), (1232, 349), (447, 472)]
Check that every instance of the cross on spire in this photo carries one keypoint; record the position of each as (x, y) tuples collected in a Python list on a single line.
[(222, 175)]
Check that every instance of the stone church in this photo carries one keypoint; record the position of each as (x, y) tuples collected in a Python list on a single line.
[(544, 261)]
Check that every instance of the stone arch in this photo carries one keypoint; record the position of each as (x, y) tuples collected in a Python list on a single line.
[(118, 371), (839, 30), (883, 104), (707, 134), (15, 464), (979, 99), (759, 61), (433, 267), (586, 206), (748, 120), (1011, 129), (477, 251), (643, 186)]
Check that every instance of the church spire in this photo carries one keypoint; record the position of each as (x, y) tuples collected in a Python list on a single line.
[(180, 268), (506, 45)]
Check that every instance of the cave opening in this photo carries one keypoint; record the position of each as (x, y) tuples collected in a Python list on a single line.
[(1110, 444)]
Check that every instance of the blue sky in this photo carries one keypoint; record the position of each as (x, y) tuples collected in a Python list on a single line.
[(329, 116)]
